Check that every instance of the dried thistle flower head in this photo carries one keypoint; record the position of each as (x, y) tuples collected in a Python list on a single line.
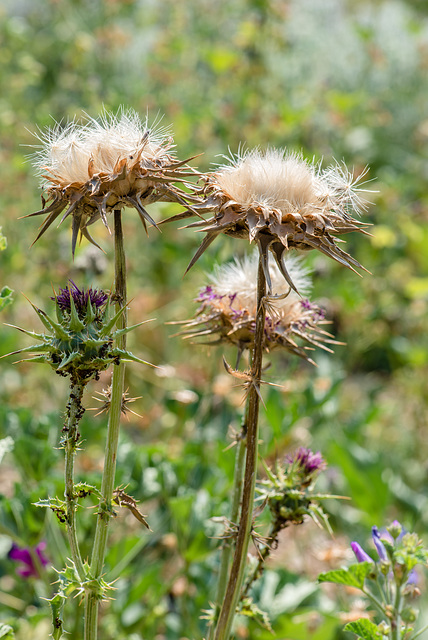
[(228, 309), (106, 164), (283, 202)]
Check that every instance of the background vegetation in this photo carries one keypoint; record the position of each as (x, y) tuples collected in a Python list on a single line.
[(333, 78)]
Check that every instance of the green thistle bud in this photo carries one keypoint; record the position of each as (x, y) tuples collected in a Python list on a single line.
[(80, 342)]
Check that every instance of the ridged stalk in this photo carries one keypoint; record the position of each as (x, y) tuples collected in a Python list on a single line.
[(105, 510), (234, 515), (236, 577)]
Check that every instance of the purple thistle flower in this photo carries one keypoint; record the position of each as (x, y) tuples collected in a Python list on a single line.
[(380, 547), (360, 554), (97, 297), (23, 555), (307, 461)]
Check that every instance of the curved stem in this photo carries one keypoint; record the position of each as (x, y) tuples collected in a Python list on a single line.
[(375, 600), (70, 441), (105, 509), (236, 577)]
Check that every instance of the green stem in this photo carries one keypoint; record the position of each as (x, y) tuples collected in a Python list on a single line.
[(105, 509), (70, 441), (375, 601), (396, 623), (420, 632), (236, 578), (234, 514)]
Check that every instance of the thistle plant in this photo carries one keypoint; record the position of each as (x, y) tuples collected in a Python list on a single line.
[(390, 583), (274, 198), (88, 173), (230, 312), (281, 202), (288, 493), (80, 343)]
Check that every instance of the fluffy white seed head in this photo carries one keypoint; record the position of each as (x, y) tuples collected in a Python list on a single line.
[(66, 151), (273, 179), (285, 181), (239, 279)]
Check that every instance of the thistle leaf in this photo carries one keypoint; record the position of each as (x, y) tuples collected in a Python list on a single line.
[(57, 607)]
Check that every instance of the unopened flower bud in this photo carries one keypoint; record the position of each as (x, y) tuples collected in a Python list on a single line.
[(360, 554), (380, 548), (409, 614), (395, 529)]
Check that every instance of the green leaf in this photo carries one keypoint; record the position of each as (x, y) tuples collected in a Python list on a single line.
[(5, 297), (3, 245), (365, 629), (57, 607), (82, 489), (6, 632), (353, 576)]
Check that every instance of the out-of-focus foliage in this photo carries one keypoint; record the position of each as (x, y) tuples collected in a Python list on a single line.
[(335, 78)]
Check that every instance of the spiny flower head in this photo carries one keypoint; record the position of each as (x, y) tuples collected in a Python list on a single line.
[(288, 487), (114, 162), (228, 309), (80, 341), (282, 202)]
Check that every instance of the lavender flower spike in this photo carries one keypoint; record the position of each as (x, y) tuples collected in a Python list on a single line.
[(360, 554), (380, 548)]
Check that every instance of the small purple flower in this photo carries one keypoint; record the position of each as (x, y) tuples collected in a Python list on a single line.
[(360, 554), (23, 555), (380, 547), (413, 577), (97, 297), (308, 461)]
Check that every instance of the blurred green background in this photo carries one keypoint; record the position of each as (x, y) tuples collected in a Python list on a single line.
[(334, 78)]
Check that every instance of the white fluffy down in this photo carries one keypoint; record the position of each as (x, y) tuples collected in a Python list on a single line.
[(66, 151), (240, 278), (277, 179)]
